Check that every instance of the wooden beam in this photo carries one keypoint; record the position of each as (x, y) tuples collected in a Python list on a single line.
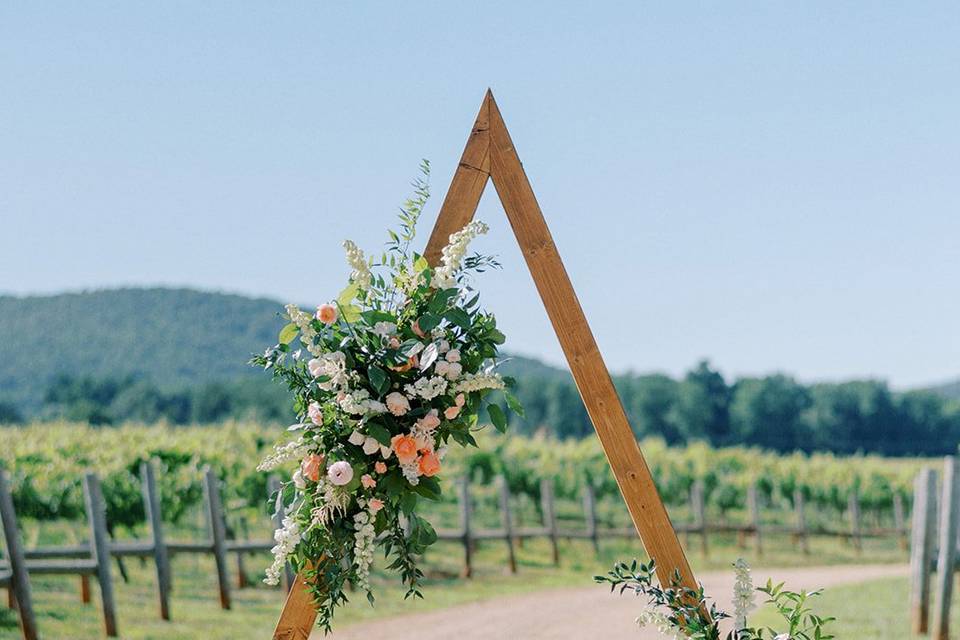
[(589, 370)]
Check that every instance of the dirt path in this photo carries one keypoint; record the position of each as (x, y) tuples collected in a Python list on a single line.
[(580, 613)]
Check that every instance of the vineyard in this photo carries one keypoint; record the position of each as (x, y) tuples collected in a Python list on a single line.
[(46, 460)]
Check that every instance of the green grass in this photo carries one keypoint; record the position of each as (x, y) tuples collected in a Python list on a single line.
[(197, 614), (876, 610)]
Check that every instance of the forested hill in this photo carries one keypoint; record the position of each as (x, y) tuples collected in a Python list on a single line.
[(179, 355), (173, 337)]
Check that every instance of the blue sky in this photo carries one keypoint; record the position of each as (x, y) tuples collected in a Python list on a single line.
[(770, 185)]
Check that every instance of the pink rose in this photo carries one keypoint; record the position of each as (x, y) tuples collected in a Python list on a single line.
[(310, 467), (451, 412), (380, 467), (327, 313), (429, 421), (367, 481), (397, 403), (460, 400), (315, 413), (375, 505), (453, 355), (340, 473)]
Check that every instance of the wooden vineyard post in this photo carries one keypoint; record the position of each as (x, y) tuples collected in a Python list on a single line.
[(799, 505), (507, 522), (921, 547), (548, 508), (699, 508), (947, 558), (490, 155), (100, 547), (590, 515), (218, 534), (753, 498), (899, 520), (18, 588), (466, 512), (853, 511), (151, 503)]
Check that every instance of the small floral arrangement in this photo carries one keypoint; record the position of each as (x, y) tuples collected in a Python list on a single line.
[(679, 613), (396, 368)]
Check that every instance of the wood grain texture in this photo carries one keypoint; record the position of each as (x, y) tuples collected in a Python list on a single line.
[(467, 185), (298, 615)]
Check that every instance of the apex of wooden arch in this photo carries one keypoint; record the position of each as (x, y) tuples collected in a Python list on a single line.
[(490, 156)]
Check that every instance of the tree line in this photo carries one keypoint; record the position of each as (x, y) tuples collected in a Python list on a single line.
[(774, 412)]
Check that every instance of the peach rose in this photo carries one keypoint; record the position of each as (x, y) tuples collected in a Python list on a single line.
[(460, 400), (451, 412), (327, 313), (367, 481), (429, 464), (310, 467), (429, 421), (375, 504), (380, 467), (397, 403), (405, 447)]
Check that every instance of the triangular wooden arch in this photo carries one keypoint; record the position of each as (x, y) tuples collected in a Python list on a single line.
[(490, 155)]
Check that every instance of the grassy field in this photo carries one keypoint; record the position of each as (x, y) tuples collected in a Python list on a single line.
[(196, 612)]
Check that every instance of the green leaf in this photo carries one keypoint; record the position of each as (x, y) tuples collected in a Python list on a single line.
[(379, 432), (288, 333), (378, 378), (347, 295), (428, 487), (428, 322), (513, 403), (408, 502), (458, 317), (496, 416), (350, 313), (496, 336)]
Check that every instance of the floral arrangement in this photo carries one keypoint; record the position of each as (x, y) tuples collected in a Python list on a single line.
[(386, 376), (679, 613)]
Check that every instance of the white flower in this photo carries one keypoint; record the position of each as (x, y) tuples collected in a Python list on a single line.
[(443, 346), (340, 473), (298, 480), (453, 355), (782, 636), (358, 402), (371, 446), (659, 621), (453, 370), (427, 388), (333, 366), (411, 472), (397, 403), (442, 368), (445, 275), (293, 450), (303, 321), (287, 537), (361, 271), (742, 594), (363, 547), (384, 329), (476, 382)]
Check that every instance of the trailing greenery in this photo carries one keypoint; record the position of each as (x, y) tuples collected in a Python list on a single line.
[(47, 461)]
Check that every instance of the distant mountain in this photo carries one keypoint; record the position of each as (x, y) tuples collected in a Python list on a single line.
[(949, 390), (172, 337)]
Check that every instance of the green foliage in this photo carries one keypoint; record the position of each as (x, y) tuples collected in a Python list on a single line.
[(47, 461)]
